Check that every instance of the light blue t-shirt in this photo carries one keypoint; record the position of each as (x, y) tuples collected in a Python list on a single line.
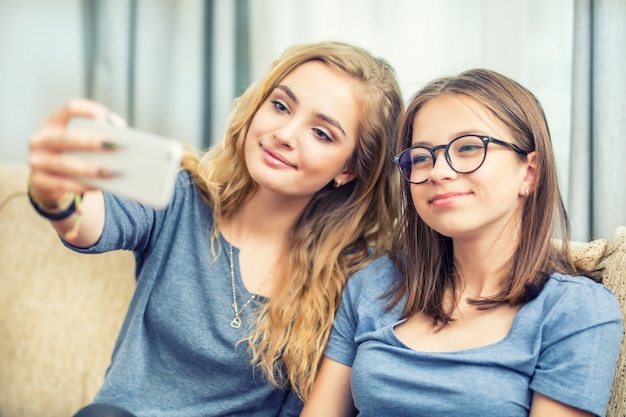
[(177, 354), (563, 344)]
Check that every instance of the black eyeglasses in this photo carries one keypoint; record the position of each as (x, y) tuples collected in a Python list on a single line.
[(464, 154)]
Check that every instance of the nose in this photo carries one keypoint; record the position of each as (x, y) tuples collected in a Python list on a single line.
[(286, 134), (441, 168)]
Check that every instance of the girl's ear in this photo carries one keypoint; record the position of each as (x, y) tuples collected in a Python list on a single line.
[(530, 178), (344, 177)]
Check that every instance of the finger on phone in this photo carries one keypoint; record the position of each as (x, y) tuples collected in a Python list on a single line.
[(68, 165), (54, 139), (76, 107)]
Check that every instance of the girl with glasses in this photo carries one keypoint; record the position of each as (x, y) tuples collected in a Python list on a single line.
[(476, 312), (239, 276)]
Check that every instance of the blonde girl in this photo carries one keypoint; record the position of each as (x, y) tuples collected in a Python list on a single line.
[(239, 277)]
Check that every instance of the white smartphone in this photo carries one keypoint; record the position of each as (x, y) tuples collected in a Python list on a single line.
[(145, 165)]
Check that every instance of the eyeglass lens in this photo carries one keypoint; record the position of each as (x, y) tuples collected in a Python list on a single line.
[(464, 155)]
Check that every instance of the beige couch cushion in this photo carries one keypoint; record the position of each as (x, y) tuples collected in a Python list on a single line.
[(59, 311), (614, 266)]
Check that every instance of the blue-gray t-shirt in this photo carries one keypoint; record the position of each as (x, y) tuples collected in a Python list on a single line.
[(563, 344), (177, 354)]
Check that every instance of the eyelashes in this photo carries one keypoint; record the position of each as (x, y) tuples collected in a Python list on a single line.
[(320, 134)]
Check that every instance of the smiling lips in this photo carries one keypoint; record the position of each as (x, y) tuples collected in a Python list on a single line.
[(446, 199), (274, 159)]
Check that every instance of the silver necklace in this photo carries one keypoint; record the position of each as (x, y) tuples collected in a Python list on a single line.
[(236, 321)]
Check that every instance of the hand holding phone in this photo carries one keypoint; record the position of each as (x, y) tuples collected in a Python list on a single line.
[(145, 165)]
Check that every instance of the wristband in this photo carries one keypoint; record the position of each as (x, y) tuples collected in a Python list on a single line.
[(55, 216)]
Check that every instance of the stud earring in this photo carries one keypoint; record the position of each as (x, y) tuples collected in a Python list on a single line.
[(337, 183), (526, 192)]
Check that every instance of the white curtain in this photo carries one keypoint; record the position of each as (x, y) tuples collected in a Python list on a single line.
[(144, 60), (597, 200)]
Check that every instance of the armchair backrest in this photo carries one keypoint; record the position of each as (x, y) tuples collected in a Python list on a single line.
[(610, 255)]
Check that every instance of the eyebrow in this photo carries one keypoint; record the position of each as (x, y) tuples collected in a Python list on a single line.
[(318, 115), (458, 134)]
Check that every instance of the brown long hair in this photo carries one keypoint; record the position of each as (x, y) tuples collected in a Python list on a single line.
[(425, 257), (339, 231)]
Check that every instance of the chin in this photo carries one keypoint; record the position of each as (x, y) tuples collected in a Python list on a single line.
[(451, 230)]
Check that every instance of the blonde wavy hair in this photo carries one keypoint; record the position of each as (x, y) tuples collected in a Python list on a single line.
[(340, 230)]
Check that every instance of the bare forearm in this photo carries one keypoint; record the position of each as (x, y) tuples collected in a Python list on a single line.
[(84, 228)]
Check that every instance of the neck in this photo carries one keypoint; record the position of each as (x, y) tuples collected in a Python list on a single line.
[(482, 263), (263, 217)]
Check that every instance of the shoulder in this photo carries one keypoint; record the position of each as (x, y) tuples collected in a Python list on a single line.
[(184, 182), (186, 195), (591, 301), (372, 282), (376, 276), (363, 309), (574, 319), (577, 288)]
